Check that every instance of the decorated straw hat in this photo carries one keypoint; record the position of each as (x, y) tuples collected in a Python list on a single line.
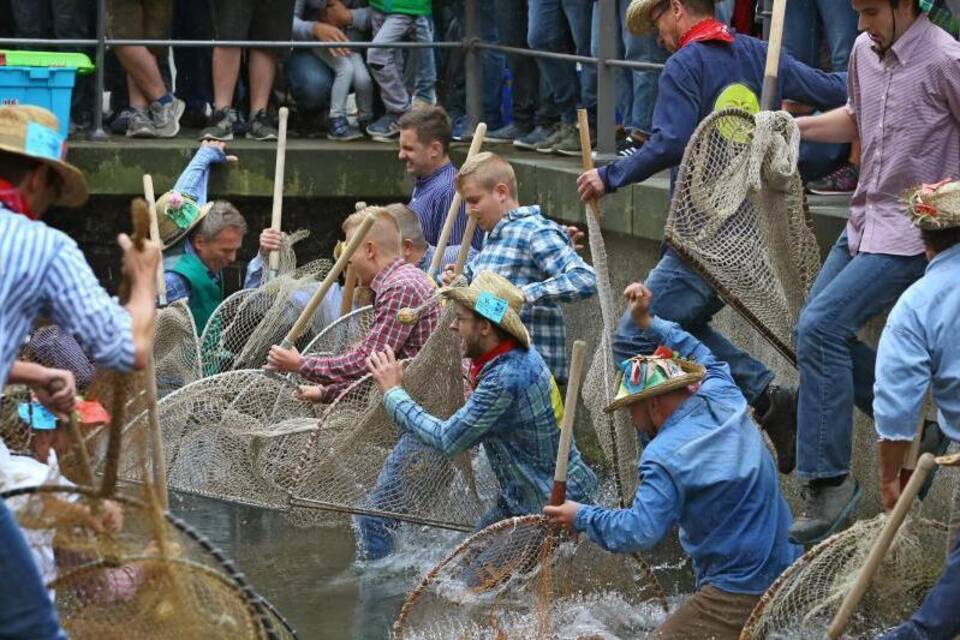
[(643, 377), (496, 299), (177, 214), (34, 132), (935, 206)]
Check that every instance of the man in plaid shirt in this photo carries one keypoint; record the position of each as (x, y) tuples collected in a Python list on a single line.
[(396, 284), (529, 250)]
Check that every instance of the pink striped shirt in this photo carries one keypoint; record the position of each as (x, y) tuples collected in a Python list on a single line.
[(907, 110)]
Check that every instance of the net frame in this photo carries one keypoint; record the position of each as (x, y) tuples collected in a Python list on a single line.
[(176, 348)]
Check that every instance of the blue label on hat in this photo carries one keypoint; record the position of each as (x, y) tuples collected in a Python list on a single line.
[(491, 307), (36, 415), (43, 142)]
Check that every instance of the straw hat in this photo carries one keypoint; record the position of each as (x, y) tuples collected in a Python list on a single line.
[(496, 299), (638, 15), (643, 377), (177, 214), (935, 206), (34, 132)]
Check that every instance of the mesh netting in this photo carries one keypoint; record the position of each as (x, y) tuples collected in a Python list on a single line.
[(804, 599), (354, 462), (519, 579), (176, 348), (341, 335), (121, 569), (739, 217), (53, 347)]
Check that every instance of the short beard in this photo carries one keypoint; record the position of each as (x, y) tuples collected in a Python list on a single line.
[(472, 348)]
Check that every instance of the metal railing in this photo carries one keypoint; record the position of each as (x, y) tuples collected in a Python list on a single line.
[(607, 63)]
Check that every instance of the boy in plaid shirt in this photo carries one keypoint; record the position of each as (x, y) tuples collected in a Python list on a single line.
[(396, 284), (529, 250)]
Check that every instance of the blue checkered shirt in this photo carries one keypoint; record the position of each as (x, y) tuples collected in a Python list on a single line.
[(535, 254), (513, 414), (43, 273)]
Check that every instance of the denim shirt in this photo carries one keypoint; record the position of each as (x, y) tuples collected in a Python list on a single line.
[(920, 347), (708, 471)]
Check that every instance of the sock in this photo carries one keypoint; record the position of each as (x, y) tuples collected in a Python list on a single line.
[(835, 481), (166, 99)]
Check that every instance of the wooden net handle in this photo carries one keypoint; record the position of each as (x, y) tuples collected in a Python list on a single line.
[(150, 195), (559, 492), (454, 209), (277, 212), (586, 157), (464, 252), (772, 68), (86, 469)]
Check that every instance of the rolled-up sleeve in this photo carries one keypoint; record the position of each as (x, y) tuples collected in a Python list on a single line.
[(903, 374)]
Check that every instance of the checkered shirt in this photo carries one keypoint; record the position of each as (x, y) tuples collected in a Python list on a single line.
[(398, 285), (535, 254), (514, 414)]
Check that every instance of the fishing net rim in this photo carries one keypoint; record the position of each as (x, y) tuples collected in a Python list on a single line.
[(799, 564), (336, 323)]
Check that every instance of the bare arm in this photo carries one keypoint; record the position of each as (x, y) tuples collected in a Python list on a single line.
[(835, 126), (891, 454)]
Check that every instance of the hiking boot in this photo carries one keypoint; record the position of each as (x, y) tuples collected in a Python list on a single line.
[(385, 128), (535, 137), (570, 145), (841, 182), (562, 133), (141, 126), (629, 146), (780, 423), (506, 134), (825, 509), (166, 117), (220, 126), (261, 127), (341, 130)]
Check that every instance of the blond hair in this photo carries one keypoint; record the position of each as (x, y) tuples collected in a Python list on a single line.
[(489, 170), (384, 233), (410, 228)]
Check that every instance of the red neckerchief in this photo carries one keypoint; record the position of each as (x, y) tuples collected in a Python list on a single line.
[(507, 345), (708, 30), (11, 198)]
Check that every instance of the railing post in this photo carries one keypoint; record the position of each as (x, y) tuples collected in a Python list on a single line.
[(606, 92), (472, 63), (98, 134)]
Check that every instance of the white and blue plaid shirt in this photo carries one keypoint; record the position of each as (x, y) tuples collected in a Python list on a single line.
[(43, 273), (535, 254)]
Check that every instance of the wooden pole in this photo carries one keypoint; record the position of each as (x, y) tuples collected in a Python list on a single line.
[(277, 212), (586, 158), (772, 69), (149, 195), (86, 469), (559, 492), (464, 252), (454, 209)]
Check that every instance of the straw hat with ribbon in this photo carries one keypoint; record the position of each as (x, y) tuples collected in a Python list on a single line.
[(496, 299), (935, 206), (638, 15), (643, 377), (34, 132), (177, 214)]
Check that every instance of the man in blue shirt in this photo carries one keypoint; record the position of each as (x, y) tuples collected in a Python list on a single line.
[(705, 468), (710, 68), (920, 348)]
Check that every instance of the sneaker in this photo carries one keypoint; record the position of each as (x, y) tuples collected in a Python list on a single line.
[(506, 134), (261, 127), (780, 423), (461, 129), (565, 133), (629, 145), (385, 128), (166, 117), (535, 137), (121, 120), (220, 126), (570, 145), (841, 182), (825, 510), (141, 126), (341, 130)]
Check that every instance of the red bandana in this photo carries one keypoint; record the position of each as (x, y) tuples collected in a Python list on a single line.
[(507, 345), (11, 198), (708, 30)]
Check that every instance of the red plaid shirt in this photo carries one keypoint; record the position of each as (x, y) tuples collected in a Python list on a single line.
[(398, 285)]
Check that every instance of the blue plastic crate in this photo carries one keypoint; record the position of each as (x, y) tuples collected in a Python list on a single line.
[(48, 87)]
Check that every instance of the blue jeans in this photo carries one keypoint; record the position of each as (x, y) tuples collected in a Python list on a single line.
[(551, 24), (836, 369), (310, 81), (937, 617), (636, 90), (492, 63), (682, 296), (25, 609), (808, 21)]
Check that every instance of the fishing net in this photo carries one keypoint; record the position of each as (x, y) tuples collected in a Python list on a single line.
[(122, 569), (53, 347), (519, 578), (804, 599), (176, 348), (739, 217), (342, 334), (247, 323), (356, 462)]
